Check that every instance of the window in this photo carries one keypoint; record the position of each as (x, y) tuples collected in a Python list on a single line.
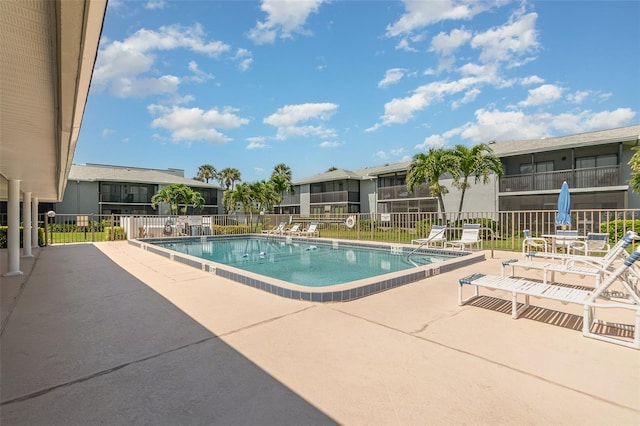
[(597, 161), (540, 167)]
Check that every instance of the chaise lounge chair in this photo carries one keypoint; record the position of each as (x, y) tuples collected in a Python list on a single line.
[(470, 236), (311, 231), (580, 265), (294, 230), (436, 237), (601, 297), (278, 230)]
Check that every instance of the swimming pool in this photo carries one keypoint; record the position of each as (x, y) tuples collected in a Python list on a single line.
[(309, 268)]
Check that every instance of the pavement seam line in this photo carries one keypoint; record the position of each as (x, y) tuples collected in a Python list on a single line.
[(101, 373), (267, 321), (500, 364)]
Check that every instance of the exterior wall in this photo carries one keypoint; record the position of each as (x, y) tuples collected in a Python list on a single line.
[(305, 200), (79, 197), (368, 196), (478, 197)]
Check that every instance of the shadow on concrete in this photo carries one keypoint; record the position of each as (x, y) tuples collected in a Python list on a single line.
[(88, 343)]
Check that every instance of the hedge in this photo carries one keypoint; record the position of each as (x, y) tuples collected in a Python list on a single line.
[(3, 236)]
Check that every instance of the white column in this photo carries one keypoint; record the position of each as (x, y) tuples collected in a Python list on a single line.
[(13, 231), (26, 224), (34, 222)]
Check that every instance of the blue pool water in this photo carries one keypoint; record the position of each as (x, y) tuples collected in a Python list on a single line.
[(309, 264)]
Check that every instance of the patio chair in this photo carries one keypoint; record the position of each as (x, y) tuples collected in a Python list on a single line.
[(532, 243), (436, 237), (470, 236), (311, 231), (278, 230), (564, 239), (596, 242)]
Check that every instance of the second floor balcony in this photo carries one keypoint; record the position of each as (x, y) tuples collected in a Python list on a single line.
[(335, 197), (596, 177), (400, 192)]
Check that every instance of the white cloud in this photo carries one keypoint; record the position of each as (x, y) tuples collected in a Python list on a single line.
[(419, 14), (256, 143), (195, 124), (199, 75), (381, 155), (510, 42), (120, 64), (401, 110), (155, 4), (509, 125), (392, 76), (433, 141), (468, 97), (403, 44), (284, 17), (245, 59), (288, 120), (532, 79), (544, 94), (578, 97), (445, 44), (329, 144)]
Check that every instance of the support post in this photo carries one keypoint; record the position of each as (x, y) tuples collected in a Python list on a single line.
[(26, 224), (13, 231), (34, 222)]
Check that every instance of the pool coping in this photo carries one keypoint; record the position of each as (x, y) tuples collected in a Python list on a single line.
[(335, 293)]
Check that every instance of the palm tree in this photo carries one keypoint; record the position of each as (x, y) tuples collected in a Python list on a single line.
[(428, 168), (281, 180), (206, 172), (634, 163), (479, 161), (228, 177), (175, 195)]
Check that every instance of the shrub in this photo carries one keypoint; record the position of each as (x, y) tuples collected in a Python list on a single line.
[(230, 229), (617, 228), (118, 233), (3, 237), (366, 224)]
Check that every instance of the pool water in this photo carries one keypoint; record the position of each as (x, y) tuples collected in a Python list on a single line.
[(309, 264)]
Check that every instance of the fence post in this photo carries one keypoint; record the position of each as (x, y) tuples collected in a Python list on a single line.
[(112, 230), (93, 239)]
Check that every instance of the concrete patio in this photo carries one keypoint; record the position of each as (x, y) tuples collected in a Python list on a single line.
[(110, 334)]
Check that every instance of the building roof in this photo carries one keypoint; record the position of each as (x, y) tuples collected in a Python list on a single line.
[(630, 134), (109, 173), (338, 174)]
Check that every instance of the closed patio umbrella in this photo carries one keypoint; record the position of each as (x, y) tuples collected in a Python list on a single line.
[(564, 206)]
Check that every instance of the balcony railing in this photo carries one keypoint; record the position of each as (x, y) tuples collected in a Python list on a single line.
[(401, 192), (335, 197), (595, 177), (290, 199)]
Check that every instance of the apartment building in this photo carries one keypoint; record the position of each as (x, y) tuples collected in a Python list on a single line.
[(108, 189), (594, 164)]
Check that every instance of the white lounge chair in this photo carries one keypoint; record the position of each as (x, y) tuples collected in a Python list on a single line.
[(311, 231), (580, 265), (470, 236), (532, 243), (278, 230), (436, 237), (601, 297), (294, 230)]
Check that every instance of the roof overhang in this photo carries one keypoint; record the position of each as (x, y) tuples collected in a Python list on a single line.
[(48, 51)]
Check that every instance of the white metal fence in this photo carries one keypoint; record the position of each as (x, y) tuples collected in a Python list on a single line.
[(501, 230)]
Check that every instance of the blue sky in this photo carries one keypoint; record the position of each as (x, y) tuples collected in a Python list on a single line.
[(350, 84)]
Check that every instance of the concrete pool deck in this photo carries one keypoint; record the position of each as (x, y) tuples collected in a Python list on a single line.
[(112, 334)]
